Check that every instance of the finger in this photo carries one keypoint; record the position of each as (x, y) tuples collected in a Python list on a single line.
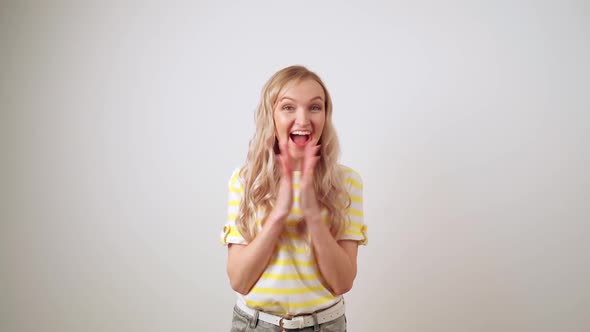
[(312, 150), (280, 162), (284, 163), (309, 167), (312, 163), (284, 147), (286, 156)]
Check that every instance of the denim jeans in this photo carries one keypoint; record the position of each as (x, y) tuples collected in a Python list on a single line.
[(243, 322)]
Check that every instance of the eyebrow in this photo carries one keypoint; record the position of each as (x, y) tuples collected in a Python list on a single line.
[(312, 99)]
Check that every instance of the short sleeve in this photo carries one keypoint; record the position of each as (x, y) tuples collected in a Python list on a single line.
[(230, 233), (356, 229)]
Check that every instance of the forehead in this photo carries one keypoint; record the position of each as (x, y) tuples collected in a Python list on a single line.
[(303, 90)]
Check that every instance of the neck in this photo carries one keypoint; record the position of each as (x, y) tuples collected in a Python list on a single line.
[(297, 164)]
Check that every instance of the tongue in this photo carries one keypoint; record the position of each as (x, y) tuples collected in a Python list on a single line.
[(299, 139)]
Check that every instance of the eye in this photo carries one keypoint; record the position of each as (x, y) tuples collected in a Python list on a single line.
[(316, 108), (288, 108)]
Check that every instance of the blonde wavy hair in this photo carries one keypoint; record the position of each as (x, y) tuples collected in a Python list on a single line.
[(261, 173)]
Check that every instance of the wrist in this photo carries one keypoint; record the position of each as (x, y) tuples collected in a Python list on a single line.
[(277, 216), (313, 217), (274, 224)]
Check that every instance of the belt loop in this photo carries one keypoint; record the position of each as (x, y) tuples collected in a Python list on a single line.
[(316, 326), (254, 320)]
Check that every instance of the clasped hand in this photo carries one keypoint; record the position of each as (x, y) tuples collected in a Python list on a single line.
[(310, 207)]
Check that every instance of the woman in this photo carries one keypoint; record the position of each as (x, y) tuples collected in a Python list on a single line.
[(295, 215)]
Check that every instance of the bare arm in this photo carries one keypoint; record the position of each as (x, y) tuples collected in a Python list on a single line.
[(337, 260), (245, 263)]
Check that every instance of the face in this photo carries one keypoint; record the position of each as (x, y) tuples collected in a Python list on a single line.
[(300, 115)]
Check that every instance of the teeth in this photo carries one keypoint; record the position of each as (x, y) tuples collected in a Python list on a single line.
[(301, 132)]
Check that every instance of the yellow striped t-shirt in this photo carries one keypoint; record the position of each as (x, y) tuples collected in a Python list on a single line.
[(291, 283)]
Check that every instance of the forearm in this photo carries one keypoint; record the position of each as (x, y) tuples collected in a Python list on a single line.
[(247, 262), (335, 264)]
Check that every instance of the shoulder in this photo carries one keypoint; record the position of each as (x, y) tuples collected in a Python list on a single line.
[(351, 177), (349, 171), (235, 180)]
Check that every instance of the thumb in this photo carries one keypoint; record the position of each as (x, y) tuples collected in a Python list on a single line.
[(309, 166)]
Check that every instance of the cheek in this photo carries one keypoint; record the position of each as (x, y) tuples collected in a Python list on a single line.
[(281, 126), (319, 124)]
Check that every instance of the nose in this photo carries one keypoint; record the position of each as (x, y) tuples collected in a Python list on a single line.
[(302, 117)]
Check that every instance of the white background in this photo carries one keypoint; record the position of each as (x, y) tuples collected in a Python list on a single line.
[(122, 122)]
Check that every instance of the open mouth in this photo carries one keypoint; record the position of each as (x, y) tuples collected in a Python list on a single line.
[(300, 137)]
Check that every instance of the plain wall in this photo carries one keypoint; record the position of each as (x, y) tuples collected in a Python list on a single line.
[(468, 121)]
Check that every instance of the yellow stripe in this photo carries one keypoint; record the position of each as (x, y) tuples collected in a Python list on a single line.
[(295, 222), (365, 238), (294, 276), (297, 262), (234, 178), (291, 305), (355, 212), (292, 223), (232, 232), (287, 291), (234, 202), (232, 216), (356, 199), (293, 235), (296, 199), (235, 190), (354, 183), (362, 233), (296, 211), (294, 249), (296, 186), (351, 232), (356, 224)]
